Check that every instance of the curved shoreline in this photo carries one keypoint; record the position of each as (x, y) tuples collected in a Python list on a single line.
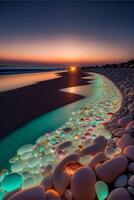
[(39, 125), (91, 143)]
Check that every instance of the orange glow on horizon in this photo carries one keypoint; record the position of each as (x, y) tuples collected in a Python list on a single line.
[(61, 50)]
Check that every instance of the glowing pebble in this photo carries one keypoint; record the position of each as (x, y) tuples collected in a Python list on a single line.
[(85, 160), (101, 190), (29, 182), (109, 152), (118, 150), (44, 160), (25, 175), (12, 160), (40, 139), (35, 170), (26, 155), (25, 148), (11, 182), (33, 162), (18, 166)]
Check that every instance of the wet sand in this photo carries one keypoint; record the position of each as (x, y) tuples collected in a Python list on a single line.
[(19, 106)]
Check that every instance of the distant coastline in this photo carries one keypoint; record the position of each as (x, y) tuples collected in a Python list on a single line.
[(22, 70)]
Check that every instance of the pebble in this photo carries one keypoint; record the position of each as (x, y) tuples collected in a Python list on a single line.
[(101, 190), (98, 145), (24, 149), (129, 152), (124, 141), (122, 122), (130, 125), (11, 182), (131, 167), (131, 190), (83, 184), (119, 194), (98, 158), (121, 181), (30, 194), (131, 181), (105, 170)]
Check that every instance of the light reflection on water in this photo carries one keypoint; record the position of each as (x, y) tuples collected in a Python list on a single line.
[(11, 82)]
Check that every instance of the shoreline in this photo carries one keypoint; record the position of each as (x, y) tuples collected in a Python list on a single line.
[(109, 171), (22, 105)]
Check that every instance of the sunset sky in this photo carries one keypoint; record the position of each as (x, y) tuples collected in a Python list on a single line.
[(67, 32)]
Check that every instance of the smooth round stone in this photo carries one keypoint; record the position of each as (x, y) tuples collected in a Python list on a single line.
[(64, 145), (83, 184), (41, 139), (44, 160), (18, 166), (33, 162), (108, 171), (119, 194), (130, 125), (97, 146), (131, 190), (124, 121), (35, 170), (11, 182), (101, 190), (34, 193), (119, 133), (131, 181), (12, 160), (129, 152), (25, 174), (131, 167), (26, 155), (124, 141), (98, 158), (67, 129), (28, 182), (25, 148), (121, 181)]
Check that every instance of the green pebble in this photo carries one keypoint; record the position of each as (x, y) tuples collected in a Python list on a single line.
[(101, 190), (11, 182)]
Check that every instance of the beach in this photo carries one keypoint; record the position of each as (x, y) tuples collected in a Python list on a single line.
[(18, 106), (91, 155)]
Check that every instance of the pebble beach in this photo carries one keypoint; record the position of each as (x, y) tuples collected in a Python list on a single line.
[(90, 157)]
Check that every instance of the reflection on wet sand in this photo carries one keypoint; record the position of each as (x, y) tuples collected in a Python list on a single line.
[(11, 82)]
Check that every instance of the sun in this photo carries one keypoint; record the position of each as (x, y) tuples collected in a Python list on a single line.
[(72, 68)]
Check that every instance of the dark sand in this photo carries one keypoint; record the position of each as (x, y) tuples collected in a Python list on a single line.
[(19, 106)]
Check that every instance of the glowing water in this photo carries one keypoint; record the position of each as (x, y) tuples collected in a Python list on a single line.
[(99, 103)]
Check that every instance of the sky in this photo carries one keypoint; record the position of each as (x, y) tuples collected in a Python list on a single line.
[(66, 32)]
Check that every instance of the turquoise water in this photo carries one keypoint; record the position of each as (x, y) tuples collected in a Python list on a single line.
[(48, 122)]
